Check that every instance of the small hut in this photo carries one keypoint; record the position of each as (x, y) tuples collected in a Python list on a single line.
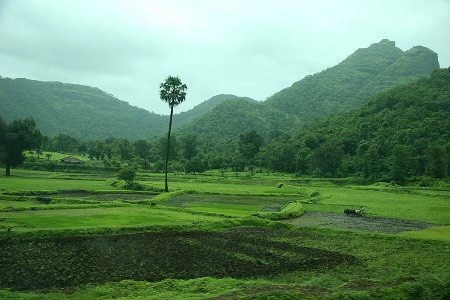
[(71, 160)]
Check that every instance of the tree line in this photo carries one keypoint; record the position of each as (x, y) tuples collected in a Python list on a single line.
[(398, 135)]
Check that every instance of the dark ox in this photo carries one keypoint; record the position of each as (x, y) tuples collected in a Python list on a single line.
[(351, 212)]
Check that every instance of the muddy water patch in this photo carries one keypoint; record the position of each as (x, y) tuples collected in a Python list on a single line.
[(369, 223)]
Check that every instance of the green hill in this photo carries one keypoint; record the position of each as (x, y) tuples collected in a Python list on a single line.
[(198, 110), (399, 133), (86, 112), (233, 117), (89, 113), (349, 84), (79, 111)]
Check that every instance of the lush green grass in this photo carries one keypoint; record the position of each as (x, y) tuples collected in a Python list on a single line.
[(440, 233), (384, 203), (39, 180), (226, 209), (98, 217)]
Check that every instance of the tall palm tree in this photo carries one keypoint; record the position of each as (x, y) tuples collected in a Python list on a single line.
[(173, 92)]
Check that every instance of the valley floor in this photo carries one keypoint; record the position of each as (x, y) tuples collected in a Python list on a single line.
[(223, 236)]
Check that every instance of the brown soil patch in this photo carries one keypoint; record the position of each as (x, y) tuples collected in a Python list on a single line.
[(368, 223)]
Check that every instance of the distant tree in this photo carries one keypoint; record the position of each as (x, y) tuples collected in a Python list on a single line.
[(48, 155), (435, 166), (127, 174), (401, 159), (124, 148), (39, 151), (16, 137), (173, 92), (238, 163), (189, 146), (194, 165), (45, 143), (249, 144), (141, 149), (325, 159), (65, 143), (162, 147), (82, 148)]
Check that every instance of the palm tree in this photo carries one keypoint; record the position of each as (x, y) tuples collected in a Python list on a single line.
[(173, 92)]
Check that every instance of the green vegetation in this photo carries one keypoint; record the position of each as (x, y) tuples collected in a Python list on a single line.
[(257, 204), (82, 111), (399, 136), (16, 137), (212, 237), (236, 117), (226, 209), (76, 110)]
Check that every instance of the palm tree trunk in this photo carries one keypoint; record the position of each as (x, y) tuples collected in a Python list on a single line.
[(168, 145)]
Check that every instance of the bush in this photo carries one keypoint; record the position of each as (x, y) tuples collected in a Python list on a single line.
[(127, 174)]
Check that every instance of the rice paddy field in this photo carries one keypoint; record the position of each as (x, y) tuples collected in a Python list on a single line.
[(223, 236)]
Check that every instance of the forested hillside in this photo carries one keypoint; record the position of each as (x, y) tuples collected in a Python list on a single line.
[(231, 118), (349, 84), (86, 112), (198, 110), (77, 110), (89, 113), (400, 133)]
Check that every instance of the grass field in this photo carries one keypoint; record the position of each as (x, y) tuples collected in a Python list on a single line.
[(74, 236), (226, 209), (98, 217)]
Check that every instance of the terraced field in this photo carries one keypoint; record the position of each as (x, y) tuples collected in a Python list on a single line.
[(217, 238)]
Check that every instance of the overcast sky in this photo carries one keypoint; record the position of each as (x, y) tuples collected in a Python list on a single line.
[(243, 47)]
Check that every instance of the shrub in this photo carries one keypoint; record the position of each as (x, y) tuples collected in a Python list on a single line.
[(127, 174)]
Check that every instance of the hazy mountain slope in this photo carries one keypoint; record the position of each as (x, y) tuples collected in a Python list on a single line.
[(89, 113), (398, 133), (233, 117), (80, 111), (190, 115), (360, 76), (86, 112)]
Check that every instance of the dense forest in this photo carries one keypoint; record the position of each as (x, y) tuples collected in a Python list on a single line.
[(396, 135), (231, 118), (399, 135), (90, 114), (76, 110)]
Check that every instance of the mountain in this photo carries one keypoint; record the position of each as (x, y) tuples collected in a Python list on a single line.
[(86, 112), (89, 113), (79, 111), (233, 117), (198, 110), (349, 84), (401, 132)]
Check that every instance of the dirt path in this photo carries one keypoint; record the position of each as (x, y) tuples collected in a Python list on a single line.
[(370, 224)]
